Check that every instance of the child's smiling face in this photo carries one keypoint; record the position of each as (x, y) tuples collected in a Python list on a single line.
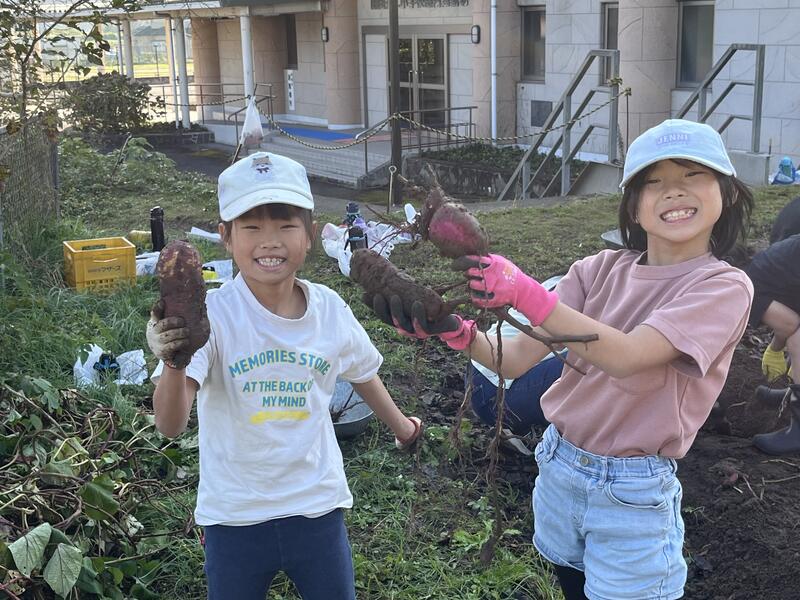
[(268, 251), (679, 204)]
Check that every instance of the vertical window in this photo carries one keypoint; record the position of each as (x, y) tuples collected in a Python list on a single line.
[(291, 42), (533, 35), (610, 34), (695, 42)]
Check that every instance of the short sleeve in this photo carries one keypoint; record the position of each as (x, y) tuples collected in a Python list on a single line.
[(198, 368), (570, 288), (705, 320), (360, 359)]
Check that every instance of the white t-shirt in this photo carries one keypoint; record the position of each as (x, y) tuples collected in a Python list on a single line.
[(267, 444)]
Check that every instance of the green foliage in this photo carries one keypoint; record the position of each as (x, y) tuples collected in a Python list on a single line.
[(29, 82), (115, 191), (90, 522), (112, 103), (504, 158)]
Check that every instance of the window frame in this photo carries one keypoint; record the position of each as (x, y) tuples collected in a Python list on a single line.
[(291, 40), (682, 4), (524, 76), (605, 63)]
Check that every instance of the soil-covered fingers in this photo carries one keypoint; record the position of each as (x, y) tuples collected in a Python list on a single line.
[(446, 324), (168, 324)]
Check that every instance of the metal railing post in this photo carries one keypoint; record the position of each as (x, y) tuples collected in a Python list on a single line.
[(565, 144), (701, 104), (758, 94), (613, 110), (202, 106)]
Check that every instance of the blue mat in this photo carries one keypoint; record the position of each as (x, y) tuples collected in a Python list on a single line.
[(319, 134)]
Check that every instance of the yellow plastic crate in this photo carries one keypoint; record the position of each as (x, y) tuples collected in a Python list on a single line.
[(99, 264)]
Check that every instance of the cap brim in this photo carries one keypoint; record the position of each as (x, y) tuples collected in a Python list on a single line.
[(260, 197), (653, 161)]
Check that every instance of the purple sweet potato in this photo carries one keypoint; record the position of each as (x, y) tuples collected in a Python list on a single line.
[(183, 292), (450, 227)]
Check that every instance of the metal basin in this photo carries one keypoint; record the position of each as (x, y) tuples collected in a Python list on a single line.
[(356, 416)]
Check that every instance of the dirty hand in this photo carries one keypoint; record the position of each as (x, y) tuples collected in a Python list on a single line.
[(456, 332), (166, 337), (773, 363), (495, 281)]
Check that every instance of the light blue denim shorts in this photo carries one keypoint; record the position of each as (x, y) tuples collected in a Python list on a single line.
[(616, 519)]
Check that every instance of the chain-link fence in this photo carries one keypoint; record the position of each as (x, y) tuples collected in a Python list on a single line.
[(28, 184)]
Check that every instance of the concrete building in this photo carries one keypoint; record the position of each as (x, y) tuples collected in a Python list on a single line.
[(327, 61)]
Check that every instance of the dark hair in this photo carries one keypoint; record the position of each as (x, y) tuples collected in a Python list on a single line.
[(737, 205), (282, 212)]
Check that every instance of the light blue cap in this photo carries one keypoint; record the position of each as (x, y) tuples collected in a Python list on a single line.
[(677, 138)]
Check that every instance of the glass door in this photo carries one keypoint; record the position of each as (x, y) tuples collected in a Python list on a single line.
[(423, 79)]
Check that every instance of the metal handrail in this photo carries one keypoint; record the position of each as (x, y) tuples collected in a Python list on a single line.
[(700, 94), (563, 108), (221, 94), (408, 141)]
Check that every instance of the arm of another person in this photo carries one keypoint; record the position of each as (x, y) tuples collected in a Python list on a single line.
[(695, 324), (172, 401), (617, 353), (377, 397)]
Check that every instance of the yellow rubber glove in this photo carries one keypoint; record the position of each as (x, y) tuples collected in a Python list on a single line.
[(773, 363)]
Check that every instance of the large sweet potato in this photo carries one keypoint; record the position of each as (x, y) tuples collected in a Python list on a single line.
[(183, 293), (376, 275)]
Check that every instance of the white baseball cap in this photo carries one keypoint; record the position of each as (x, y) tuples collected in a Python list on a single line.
[(262, 178), (677, 138)]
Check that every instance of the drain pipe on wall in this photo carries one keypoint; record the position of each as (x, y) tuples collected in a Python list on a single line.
[(493, 66)]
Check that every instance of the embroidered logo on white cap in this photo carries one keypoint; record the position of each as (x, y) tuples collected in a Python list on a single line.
[(262, 178)]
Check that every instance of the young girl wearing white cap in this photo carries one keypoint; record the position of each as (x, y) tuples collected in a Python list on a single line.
[(669, 313), (272, 483)]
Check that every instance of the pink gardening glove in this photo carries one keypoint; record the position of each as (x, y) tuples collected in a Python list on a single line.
[(454, 331), (495, 281)]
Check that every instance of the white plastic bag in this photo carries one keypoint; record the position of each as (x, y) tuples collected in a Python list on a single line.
[(132, 368), (252, 134)]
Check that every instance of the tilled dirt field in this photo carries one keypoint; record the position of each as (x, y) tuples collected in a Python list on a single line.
[(742, 507)]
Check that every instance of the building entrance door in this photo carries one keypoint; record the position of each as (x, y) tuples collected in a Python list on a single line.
[(423, 79)]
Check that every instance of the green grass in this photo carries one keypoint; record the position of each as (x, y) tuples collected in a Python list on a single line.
[(418, 522)]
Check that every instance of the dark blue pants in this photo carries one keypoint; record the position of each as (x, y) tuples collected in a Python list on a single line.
[(241, 562), (522, 406)]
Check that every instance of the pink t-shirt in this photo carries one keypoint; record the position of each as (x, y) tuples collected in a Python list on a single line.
[(701, 306)]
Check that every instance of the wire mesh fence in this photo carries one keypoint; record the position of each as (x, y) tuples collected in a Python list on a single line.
[(28, 184)]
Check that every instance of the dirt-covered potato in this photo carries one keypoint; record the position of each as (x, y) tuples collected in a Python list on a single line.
[(183, 293)]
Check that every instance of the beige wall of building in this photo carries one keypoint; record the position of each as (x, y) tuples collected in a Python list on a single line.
[(342, 73), (648, 37), (508, 66), (269, 58), (206, 53), (309, 79)]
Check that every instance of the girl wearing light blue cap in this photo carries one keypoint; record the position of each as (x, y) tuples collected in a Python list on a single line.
[(669, 313)]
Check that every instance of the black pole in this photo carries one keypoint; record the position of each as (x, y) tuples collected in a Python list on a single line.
[(394, 92)]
